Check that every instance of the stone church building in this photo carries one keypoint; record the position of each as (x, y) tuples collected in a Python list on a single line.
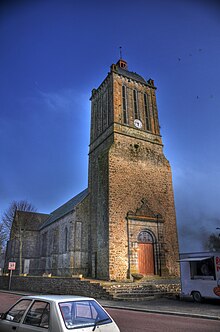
[(125, 222)]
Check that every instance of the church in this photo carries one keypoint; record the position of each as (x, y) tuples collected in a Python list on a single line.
[(124, 223)]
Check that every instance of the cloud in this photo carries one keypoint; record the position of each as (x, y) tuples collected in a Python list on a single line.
[(65, 100), (197, 205)]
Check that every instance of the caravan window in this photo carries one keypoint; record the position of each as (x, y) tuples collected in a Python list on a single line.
[(203, 269)]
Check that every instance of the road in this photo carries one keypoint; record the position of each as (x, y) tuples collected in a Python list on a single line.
[(135, 321)]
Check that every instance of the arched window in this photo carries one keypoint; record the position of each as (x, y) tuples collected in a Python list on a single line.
[(145, 237)]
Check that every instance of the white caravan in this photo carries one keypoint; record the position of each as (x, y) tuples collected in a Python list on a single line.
[(200, 275)]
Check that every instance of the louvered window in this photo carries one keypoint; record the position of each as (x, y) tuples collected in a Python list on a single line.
[(124, 105)]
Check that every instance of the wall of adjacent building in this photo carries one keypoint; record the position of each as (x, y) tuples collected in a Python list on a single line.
[(64, 244)]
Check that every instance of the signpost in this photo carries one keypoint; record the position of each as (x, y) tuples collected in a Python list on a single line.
[(11, 267)]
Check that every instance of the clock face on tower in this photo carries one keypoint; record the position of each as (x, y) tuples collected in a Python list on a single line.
[(138, 123)]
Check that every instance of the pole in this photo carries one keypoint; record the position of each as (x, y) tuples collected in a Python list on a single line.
[(120, 52), (10, 275)]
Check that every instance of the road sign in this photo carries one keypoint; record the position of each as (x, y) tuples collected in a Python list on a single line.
[(11, 265)]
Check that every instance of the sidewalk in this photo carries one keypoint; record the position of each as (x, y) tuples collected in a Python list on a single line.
[(169, 306)]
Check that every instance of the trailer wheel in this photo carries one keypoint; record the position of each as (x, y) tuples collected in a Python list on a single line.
[(197, 297)]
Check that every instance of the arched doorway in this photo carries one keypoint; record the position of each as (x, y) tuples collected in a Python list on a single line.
[(146, 264)]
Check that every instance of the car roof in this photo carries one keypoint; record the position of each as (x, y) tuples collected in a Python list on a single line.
[(58, 298)]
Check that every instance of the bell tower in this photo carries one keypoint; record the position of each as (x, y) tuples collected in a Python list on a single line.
[(133, 222)]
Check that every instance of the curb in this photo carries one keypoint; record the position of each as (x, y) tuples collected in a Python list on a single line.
[(162, 312)]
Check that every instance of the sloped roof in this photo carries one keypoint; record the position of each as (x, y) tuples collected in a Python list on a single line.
[(65, 208), (130, 74)]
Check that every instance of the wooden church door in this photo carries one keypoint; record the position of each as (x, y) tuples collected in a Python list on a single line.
[(145, 253)]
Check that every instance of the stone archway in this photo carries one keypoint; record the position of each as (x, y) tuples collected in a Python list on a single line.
[(146, 264)]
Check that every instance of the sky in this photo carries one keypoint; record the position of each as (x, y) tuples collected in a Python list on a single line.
[(53, 53)]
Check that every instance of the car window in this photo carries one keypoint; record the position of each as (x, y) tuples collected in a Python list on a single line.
[(18, 310), (83, 313), (38, 314)]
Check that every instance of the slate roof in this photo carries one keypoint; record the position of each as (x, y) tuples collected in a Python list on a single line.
[(65, 208), (130, 74)]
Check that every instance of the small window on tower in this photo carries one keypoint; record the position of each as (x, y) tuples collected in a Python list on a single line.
[(135, 98), (124, 105), (147, 115)]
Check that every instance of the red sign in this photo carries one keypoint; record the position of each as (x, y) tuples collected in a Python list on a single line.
[(217, 263), (11, 265)]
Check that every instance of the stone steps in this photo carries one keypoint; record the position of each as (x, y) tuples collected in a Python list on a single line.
[(142, 290)]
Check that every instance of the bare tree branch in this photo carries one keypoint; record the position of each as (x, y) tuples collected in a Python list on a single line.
[(8, 217), (213, 243)]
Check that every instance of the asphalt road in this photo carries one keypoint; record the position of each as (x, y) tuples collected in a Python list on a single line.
[(135, 321), (6, 300)]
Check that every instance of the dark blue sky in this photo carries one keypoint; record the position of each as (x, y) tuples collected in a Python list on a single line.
[(54, 52)]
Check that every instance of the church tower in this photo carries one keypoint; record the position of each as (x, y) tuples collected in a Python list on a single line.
[(132, 212)]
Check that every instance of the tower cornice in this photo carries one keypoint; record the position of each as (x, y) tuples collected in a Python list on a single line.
[(120, 129)]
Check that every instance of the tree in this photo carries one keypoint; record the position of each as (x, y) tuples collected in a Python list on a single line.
[(11, 225), (8, 217), (2, 238), (213, 243)]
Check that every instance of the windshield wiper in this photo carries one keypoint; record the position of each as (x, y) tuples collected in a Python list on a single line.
[(99, 322)]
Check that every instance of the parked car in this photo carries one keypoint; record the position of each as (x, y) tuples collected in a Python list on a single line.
[(57, 313)]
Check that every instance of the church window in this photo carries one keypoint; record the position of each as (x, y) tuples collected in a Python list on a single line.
[(78, 235), (124, 104), (55, 243), (135, 99), (66, 239), (146, 109), (44, 244)]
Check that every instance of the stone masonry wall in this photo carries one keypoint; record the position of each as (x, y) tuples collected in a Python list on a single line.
[(61, 258), (68, 286), (99, 183), (139, 170), (30, 251)]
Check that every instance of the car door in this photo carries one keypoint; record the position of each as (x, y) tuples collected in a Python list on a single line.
[(13, 318), (37, 318)]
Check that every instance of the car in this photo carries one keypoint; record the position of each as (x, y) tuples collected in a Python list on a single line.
[(57, 313)]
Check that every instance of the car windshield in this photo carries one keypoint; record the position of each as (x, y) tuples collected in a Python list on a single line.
[(83, 313)]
